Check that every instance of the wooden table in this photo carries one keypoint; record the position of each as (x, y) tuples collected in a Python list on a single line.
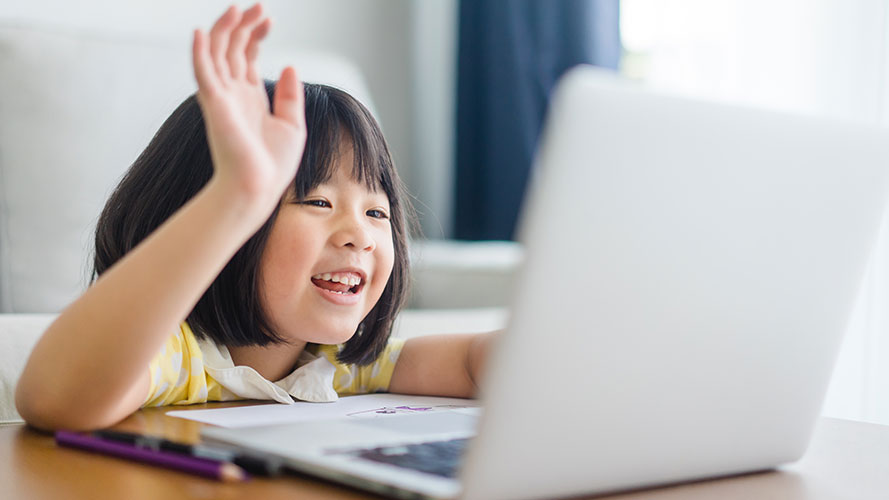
[(846, 461)]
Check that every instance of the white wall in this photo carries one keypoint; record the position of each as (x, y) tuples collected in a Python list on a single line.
[(401, 46)]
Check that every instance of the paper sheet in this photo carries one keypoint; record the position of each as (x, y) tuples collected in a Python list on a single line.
[(363, 406)]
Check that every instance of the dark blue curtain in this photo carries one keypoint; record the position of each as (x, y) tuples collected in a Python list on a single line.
[(511, 52)]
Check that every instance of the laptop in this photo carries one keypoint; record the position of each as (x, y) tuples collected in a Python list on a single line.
[(690, 270)]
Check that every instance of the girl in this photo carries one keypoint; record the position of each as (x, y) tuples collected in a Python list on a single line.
[(221, 267)]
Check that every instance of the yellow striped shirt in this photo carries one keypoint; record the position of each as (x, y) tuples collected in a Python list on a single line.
[(180, 374)]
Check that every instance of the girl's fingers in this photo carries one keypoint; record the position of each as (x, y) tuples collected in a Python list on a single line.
[(252, 50), (290, 99), (219, 40), (204, 72), (239, 37)]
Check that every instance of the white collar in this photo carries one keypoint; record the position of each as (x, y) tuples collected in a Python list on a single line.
[(312, 381)]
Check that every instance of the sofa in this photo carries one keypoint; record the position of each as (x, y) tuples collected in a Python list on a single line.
[(77, 108)]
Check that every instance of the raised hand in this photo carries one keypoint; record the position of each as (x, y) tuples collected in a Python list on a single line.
[(255, 152)]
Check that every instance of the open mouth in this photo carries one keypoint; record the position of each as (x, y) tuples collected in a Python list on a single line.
[(347, 283)]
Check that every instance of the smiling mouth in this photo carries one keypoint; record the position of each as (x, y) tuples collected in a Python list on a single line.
[(339, 283)]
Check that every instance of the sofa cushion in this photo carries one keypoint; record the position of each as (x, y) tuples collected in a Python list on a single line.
[(75, 110), (452, 274)]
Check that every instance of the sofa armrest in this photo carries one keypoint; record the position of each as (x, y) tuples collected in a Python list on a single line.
[(18, 334)]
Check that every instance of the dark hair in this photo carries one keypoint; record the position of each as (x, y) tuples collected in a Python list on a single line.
[(176, 165)]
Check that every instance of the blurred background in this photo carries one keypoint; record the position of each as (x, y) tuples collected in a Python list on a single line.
[(461, 88)]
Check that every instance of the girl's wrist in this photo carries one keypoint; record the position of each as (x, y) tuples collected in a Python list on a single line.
[(249, 204)]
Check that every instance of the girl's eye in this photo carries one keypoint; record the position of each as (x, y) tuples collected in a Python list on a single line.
[(377, 214), (316, 203)]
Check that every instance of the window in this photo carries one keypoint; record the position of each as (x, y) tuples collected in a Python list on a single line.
[(818, 57), (822, 57)]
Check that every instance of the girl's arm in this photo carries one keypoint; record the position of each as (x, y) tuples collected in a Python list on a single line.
[(442, 365), (90, 368)]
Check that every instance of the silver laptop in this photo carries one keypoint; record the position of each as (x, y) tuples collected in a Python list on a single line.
[(690, 271)]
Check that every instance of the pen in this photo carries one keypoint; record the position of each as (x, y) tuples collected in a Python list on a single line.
[(205, 467), (264, 466)]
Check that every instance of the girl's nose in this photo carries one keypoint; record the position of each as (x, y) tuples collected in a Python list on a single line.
[(352, 233)]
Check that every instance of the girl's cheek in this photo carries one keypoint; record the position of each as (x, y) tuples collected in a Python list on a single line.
[(386, 268)]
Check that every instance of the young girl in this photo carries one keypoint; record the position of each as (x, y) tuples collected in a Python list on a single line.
[(246, 254)]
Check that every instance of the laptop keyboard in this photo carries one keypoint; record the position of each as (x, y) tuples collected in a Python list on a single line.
[(440, 458)]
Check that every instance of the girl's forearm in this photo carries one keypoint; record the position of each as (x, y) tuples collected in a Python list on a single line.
[(442, 365), (89, 368), (477, 357)]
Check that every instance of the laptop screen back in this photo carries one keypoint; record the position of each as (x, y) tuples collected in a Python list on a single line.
[(691, 268)]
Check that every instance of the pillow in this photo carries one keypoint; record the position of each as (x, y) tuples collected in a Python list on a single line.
[(76, 109)]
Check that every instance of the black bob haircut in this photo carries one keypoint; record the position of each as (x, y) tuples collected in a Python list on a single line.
[(176, 165)]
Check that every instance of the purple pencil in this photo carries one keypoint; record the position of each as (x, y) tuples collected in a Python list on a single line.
[(223, 471)]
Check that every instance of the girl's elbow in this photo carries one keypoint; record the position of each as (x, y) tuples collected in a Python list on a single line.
[(51, 414), (39, 412)]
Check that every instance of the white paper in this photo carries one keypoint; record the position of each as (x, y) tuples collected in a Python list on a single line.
[(363, 406)]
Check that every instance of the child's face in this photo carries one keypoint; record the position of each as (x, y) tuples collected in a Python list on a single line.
[(340, 231)]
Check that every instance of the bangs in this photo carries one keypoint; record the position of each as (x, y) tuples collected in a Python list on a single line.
[(334, 121)]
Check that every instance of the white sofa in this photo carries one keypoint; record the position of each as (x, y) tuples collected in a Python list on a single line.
[(75, 111), (77, 108)]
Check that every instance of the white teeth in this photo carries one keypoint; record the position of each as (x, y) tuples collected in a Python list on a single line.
[(346, 279)]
